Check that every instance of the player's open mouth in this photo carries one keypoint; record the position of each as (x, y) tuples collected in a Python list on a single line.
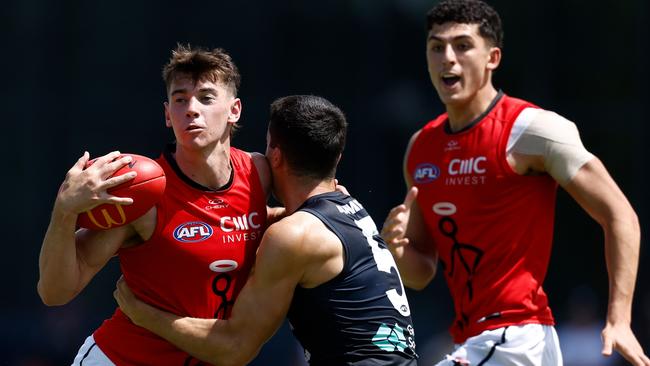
[(450, 80), (193, 127)]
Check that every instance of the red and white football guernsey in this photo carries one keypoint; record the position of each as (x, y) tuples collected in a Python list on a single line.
[(492, 227), (196, 262)]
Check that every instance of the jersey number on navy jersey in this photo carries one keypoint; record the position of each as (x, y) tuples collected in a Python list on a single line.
[(385, 263)]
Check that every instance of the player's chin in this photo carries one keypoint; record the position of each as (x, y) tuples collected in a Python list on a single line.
[(449, 98), (193, 142)]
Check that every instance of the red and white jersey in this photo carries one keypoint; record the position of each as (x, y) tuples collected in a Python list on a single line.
[(196, 262), (492, 227)]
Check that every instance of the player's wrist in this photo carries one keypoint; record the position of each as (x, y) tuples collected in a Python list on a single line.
[(62, 213), (619, 319)]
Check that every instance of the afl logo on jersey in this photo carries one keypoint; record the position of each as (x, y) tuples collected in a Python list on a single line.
[(425, 173), (192, 232)]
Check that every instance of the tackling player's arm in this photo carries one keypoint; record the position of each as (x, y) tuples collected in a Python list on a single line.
[(407, 237), (258, 312), (68, 260), (551, 144)]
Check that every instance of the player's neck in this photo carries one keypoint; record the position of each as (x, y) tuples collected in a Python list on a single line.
[(463, 113), (208, 167), (296, 190)]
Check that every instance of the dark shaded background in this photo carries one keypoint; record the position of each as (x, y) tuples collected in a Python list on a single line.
[(83, 75)]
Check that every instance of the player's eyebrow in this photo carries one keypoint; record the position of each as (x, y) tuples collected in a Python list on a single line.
[(179, 91), (457, 38), (208, 90), (202, 90)]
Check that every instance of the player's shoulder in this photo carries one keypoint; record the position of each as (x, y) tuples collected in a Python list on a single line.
[(300, 231), (546, 123), (263, 169), (294, 226), (257, 160)]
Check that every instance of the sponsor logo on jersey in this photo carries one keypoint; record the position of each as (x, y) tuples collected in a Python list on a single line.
[(240, 223), (192, 232), (467, 166), (390, 338), (452, 145), (426, 173), (241, 228), (467, 171), (216, 204)]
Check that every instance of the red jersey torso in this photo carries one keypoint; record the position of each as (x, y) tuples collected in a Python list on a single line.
[(492, 227), (195, 263)]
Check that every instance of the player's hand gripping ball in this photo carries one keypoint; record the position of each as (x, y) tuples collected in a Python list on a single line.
[(145, 189)]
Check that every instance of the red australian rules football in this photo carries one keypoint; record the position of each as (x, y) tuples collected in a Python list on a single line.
[(145, 189)]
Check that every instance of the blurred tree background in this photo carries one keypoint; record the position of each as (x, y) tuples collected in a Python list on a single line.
[(84, 75)]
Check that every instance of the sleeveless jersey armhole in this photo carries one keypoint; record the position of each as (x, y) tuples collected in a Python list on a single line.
[(346, 255)]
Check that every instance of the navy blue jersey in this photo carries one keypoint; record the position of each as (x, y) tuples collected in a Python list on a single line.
[(361, 316)]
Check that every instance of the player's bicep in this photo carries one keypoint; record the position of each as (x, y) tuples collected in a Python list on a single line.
[(597, 193)]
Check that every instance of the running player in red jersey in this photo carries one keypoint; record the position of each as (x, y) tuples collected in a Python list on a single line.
[(192, 252), (482, 180)]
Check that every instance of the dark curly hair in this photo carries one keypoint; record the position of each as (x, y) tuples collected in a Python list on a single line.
[(469, 12)]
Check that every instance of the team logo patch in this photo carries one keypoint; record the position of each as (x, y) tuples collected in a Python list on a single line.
[(425, 173), (192, 232), (390, 338)]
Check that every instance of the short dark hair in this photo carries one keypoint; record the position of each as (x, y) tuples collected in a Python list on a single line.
[(469, 12), (310, 131), (200, 64)]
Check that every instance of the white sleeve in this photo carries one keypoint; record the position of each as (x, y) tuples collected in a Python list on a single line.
[(555, 138)]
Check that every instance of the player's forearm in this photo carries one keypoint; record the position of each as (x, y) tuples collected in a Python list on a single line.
[(205, 339), (416, 268), (58, 263), (622, 241)]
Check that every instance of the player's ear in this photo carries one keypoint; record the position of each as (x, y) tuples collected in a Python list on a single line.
[(274, 155), (235, 111), (168, 120), (494, 58)]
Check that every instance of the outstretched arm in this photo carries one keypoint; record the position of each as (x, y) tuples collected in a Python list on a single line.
[(258, 312), (597, 193)]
